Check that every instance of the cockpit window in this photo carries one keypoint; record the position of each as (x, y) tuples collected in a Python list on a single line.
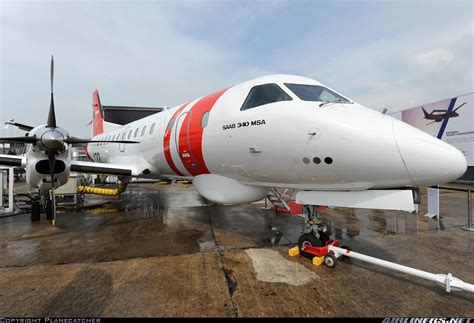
[(317, 93), (264, 94)]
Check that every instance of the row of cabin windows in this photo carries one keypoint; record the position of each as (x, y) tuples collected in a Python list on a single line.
[(204, 121), (128, 135)]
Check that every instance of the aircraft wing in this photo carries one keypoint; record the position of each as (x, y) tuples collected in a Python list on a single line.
[(103, 168), (12, 161), (77, 166)]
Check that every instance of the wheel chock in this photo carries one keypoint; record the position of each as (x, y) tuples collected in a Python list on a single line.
[(293, 252), (318, 261)]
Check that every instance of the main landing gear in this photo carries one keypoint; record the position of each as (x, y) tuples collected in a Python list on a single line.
[(42, 204)]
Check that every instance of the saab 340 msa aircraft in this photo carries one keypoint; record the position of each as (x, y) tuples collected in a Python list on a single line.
[(236, 144)]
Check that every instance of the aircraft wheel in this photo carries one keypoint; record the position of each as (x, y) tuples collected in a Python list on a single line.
[(323, 237), (49, 210), (35, 211), (330, 260), (308, 239)]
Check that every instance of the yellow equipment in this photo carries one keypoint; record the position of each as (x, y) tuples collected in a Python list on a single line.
[(121, 187)]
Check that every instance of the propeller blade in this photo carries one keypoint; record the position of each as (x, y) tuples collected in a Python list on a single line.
[(52, 161), (24, 140), (73, 140), (51, 116), (21, 126)]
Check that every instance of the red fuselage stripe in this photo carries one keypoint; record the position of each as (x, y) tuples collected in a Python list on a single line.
[(191, 134), (166, 140), (87, 154)]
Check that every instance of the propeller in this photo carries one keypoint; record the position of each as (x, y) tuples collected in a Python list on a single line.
[(51, 153), (50, 139)]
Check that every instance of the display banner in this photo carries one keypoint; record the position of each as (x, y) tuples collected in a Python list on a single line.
[(451, 120)]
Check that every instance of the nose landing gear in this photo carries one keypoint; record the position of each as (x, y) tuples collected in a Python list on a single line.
[(315, 241), (315, 234)]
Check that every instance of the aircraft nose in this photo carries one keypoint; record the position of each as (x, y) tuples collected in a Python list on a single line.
[(428, 160)]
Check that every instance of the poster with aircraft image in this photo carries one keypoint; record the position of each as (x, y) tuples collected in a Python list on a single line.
[(451, 120)]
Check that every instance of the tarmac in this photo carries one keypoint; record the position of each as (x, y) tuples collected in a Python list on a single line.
[(160, 250)]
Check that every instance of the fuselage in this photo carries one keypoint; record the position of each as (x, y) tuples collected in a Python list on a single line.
[(295, 141)]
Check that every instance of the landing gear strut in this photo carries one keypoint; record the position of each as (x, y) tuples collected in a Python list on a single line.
[(315, 234), (42, 204)]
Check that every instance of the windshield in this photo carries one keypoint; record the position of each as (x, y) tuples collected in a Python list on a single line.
[(264, 94), (315, 93)]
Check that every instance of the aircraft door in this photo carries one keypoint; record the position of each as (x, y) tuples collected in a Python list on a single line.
[(122, 136), (183, 140)]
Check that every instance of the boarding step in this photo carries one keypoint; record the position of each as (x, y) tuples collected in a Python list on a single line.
[(278, 203)]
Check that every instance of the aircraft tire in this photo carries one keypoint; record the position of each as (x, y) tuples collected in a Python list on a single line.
[(308, 239)]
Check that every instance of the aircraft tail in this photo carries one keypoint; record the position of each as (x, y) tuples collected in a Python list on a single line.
[(107, 118), (425, 112), (100, 122), (97, 115)]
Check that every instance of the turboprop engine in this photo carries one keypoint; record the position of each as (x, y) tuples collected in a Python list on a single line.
[(48, 160), (49, 157)]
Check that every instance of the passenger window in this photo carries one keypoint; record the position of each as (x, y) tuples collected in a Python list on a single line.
[(204, 119), (152, 128), (129, 134), (136, 133), (143, 131), (113, 138), (264, 94)]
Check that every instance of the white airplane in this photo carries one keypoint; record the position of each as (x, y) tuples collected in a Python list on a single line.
[(276, 131), (236, 144)]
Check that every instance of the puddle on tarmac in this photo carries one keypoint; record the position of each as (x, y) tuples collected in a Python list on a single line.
[(346, 224)]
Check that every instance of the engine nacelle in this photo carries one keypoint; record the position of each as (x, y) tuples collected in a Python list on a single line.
[(224, 190), (38, 173)]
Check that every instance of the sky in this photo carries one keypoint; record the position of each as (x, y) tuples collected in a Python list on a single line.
[(382, 54)]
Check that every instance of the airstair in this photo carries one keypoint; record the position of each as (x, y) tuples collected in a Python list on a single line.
[(277, 201)]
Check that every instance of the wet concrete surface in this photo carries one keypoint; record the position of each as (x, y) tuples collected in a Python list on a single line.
[(161, 251)]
